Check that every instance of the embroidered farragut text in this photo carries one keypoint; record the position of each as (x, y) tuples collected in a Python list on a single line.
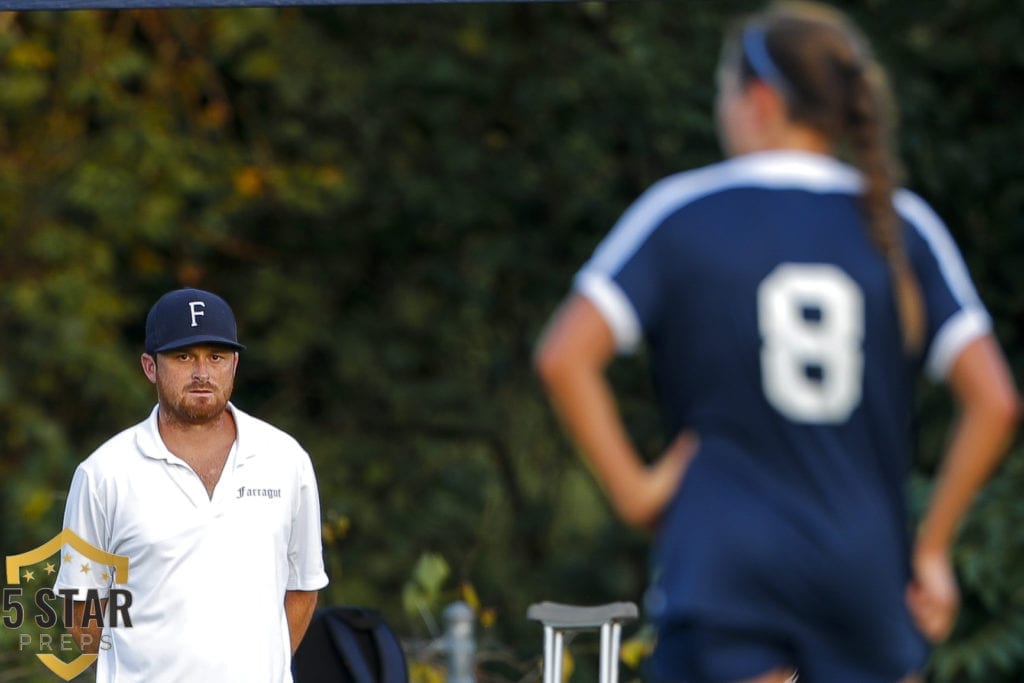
[(246, 492)]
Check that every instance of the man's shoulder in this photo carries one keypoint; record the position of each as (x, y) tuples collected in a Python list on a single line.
[(114, 450), (261, 435)]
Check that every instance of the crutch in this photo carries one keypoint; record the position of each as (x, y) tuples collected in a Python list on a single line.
[(558, 618)]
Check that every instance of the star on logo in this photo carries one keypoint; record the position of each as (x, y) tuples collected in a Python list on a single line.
[(105, 576), (29, 576), (49, 568), (67, 557), (86, 568)]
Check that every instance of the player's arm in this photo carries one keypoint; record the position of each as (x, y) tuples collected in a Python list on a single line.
[(84, 513), (989, 409), (570, 359), (87, 636), (299, 606)]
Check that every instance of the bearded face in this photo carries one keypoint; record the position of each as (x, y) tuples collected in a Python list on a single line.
[(194, 384)]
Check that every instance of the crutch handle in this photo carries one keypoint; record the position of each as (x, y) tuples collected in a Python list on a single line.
[(570, 617)]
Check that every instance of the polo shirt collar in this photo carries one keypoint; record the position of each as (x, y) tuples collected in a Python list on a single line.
[(151, 445)]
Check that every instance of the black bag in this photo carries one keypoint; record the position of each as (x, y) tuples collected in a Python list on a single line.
[(349, 645)]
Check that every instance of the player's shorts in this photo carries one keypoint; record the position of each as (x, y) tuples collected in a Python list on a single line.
[(703, 653), (749, 579), (693, 653)]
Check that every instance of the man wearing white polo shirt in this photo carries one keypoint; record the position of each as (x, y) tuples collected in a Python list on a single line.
[(217, 512)]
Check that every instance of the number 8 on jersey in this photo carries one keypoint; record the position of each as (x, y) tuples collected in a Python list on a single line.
[(811, 319)]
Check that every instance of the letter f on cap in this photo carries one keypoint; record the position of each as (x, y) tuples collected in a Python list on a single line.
[(186, 317), (195, 307)]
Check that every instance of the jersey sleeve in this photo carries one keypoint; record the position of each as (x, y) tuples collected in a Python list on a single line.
[(623, 279), (84, 514), (305, 549), (955, 314)]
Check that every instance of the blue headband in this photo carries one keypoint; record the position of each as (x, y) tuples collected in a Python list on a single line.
[(756, 50)]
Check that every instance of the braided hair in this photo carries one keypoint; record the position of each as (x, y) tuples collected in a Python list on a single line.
[(822, 67)]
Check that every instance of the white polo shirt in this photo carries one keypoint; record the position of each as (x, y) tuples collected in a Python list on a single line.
[(207, 576)]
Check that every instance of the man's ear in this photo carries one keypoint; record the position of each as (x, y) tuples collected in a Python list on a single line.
[(149, 367)]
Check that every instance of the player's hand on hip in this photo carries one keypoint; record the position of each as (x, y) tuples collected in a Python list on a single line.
[(646, 498), (933, 596)]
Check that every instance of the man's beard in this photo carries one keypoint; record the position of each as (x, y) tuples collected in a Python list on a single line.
[(187, 410)]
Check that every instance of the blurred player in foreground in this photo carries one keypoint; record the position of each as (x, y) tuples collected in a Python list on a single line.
[(788, 301)]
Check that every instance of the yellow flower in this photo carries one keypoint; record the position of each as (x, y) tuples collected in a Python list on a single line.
[(420, 672), (248, 181), (637, 648), (469, 595)]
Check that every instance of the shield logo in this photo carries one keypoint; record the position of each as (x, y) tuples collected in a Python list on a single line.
[(15, 563)]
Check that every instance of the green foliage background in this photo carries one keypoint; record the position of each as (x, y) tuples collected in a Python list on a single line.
[(394, 200)]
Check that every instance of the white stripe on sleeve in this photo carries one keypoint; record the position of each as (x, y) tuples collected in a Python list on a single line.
[(972, 321), (614, 306), (955, 334)]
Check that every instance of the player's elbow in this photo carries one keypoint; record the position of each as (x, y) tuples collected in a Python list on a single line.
[(549, 362), (1005, 408), (1000, 408)]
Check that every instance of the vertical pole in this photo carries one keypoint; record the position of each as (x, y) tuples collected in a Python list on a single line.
[(604, 666), (459, 643), (611, 632), (552, 655)]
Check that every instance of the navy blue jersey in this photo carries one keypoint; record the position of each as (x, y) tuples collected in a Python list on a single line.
[(772, 330)]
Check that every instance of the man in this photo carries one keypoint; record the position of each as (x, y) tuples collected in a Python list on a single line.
[(217, 512)]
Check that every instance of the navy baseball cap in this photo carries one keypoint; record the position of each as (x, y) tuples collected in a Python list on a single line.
[(186, 317)]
